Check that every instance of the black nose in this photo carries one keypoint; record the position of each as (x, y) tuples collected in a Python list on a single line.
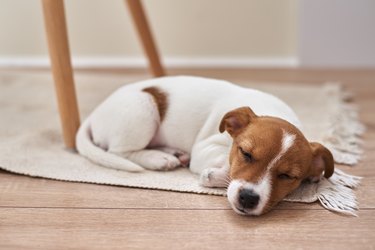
[(248, 199)]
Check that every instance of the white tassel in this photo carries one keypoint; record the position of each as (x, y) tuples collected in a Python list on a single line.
[(344, 179), (343, 138), (335, 194), (337, 198)]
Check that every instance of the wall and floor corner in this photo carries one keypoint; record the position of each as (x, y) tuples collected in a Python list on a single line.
[(256, 33)]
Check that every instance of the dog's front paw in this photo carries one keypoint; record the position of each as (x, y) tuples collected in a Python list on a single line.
[(205, 177), (213, 177)]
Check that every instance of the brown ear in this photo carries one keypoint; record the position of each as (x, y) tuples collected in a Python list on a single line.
[(236, 120), (322, 161)]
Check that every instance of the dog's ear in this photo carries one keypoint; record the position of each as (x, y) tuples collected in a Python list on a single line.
[(236, 120), (322, 161)]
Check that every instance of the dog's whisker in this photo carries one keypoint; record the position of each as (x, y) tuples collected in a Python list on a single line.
[(226, 180)]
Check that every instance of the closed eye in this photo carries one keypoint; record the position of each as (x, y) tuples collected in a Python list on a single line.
[(247, 156), (285, 177)]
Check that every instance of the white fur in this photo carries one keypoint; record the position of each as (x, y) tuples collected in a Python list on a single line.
[(119, 133), (286, 143), (262, 188)]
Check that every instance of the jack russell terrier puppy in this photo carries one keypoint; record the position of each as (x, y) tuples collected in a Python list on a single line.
[(240, 138)]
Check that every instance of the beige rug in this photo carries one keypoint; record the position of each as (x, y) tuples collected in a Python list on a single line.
[(31, 143)]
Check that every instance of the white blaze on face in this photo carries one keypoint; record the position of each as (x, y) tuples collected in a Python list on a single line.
[(263, 187), (286, 143)]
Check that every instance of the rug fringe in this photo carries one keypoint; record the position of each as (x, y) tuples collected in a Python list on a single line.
[(344, 137), (344, 179), (336, 193)]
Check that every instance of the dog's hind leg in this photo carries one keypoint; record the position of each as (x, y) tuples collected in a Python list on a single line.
[(182, 156), (153, 159), (125, 124)]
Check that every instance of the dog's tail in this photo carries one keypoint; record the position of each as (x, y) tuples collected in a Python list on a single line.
[(87, 148)]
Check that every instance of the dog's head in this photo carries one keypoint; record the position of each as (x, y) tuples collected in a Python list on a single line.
[(268, 160)]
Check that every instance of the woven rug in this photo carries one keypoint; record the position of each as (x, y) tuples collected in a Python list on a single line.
[(31, 142)]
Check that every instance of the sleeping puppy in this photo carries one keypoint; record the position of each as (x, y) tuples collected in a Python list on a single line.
[(240, 138)]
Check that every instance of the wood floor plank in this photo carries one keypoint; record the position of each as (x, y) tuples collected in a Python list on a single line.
[(22, 191), (181, 229)]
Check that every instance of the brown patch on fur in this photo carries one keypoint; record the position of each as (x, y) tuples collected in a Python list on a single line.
[(160, 98), (236, 120)]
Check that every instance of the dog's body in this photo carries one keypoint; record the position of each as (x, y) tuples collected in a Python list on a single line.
[(156, 124)]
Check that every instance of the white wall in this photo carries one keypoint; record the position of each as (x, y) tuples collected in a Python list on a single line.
[(205, 29), (337, 33), (313, 33)]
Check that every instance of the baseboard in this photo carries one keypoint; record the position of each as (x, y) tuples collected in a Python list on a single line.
[(140, 62)]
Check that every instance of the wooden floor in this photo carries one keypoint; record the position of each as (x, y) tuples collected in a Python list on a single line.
[(46, 214)]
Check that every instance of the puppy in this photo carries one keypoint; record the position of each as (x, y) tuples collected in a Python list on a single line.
[(240, 138)]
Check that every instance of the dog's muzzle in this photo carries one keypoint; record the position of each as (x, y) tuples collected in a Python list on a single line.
[(248, 199)]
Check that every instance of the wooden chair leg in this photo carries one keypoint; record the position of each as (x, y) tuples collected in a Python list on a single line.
[(145, 35), (54, 19)]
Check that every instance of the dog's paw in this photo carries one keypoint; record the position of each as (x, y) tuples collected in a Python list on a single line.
[(213, 177), (182, 156), (205, 177), (163, 162)]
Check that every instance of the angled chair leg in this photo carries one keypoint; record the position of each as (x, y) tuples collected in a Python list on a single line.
[(144, 32), (54, 19)]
